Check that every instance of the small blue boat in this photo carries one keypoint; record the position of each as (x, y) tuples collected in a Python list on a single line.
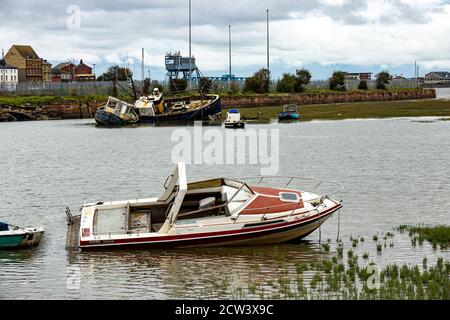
[(15, 237), (289, 113)]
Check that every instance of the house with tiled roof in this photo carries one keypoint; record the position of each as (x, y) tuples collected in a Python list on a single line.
[(437, 77), (79, 72), (27, 62)]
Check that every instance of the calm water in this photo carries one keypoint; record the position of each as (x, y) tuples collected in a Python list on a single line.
[(395, 171)]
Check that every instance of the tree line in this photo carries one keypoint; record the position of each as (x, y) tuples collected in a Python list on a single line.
[(259, 82)]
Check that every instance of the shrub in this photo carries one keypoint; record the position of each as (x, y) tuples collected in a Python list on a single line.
[(382, 79), (287, 83), (363, 85), (303, 76), (337, 81), (259, 82), (204, 85)]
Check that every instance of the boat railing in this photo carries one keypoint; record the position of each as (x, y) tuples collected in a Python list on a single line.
[(315, 202)]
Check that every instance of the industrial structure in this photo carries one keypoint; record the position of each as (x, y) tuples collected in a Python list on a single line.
[(178, 67)]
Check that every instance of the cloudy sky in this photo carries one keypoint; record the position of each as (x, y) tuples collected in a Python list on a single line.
[(322, 35)]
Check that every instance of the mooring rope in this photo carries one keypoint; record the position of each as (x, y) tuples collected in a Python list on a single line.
[(339, 225)]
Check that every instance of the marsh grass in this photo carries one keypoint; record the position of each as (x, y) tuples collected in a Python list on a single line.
[(333, 277), (377, 109), (436, 235)]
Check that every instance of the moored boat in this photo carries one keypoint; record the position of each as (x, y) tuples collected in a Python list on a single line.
[(190, 108), (289, 113), (16, 237), (234, 120), (215, 212), (116, 112)]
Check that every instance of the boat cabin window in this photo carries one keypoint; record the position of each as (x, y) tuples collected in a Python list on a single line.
[(289, 196)]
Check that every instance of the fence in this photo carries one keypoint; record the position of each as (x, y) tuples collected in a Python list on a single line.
[(106, 87), (67, 88)]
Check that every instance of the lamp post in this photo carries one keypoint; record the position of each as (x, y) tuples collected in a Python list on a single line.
[(229, 53), (268, 66), (190, 52)]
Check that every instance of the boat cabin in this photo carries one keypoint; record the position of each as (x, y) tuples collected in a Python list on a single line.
[(290, 108), (119, 107), (233, 115), (179, 204)]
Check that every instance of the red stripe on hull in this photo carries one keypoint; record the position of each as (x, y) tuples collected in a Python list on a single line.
[(209, 238)]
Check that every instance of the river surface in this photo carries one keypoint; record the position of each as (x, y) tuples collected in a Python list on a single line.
[(395, 171)]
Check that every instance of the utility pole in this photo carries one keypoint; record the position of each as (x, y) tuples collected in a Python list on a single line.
[(229, 52), (190, 47), (142, 65), (268, 66)]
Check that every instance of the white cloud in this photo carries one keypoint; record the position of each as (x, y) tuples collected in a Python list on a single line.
[(362, 33)]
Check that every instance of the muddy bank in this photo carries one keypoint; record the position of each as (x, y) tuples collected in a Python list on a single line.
[(75, 109), (326, 98), (51, 111)]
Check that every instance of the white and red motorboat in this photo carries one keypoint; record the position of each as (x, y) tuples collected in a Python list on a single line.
[(216, 212)]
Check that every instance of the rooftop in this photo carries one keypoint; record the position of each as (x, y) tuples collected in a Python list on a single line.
[(4, 65), (26, 51), (440, 74)]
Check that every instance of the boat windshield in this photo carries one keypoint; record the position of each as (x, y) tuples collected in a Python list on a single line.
[(290, 108), (237, 194)]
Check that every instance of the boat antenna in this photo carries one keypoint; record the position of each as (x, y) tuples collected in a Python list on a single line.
[(130, 78)]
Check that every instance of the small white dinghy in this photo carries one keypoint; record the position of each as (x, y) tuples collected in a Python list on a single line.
[(234, 120), (16, 237)]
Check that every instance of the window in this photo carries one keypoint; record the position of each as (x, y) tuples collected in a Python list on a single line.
[(289, 197)]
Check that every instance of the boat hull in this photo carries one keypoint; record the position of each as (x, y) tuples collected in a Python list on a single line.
[(279, 231), (211, 109), (107, 118), (234, 125), (21, 238), (288, 116)]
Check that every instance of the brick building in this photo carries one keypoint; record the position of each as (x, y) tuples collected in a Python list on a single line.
[(27, 62), (80, 72)]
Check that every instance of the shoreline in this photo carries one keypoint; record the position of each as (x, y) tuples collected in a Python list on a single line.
[(387, 104)]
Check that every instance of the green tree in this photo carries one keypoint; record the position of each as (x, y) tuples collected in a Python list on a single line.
[(288, 83), (204, 85), (178, 85), (337, 81), (259, 82), (363, 85), (303, 78), (382, 79), (116, 73), (146, 87)]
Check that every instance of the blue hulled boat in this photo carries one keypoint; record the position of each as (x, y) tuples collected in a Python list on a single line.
[(289, 113), (15, 237)]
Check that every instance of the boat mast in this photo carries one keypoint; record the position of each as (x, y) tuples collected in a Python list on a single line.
[(268, 66), (190, 52), (229, 52)]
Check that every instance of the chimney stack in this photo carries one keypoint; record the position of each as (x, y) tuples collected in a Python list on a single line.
[(3, 54)]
